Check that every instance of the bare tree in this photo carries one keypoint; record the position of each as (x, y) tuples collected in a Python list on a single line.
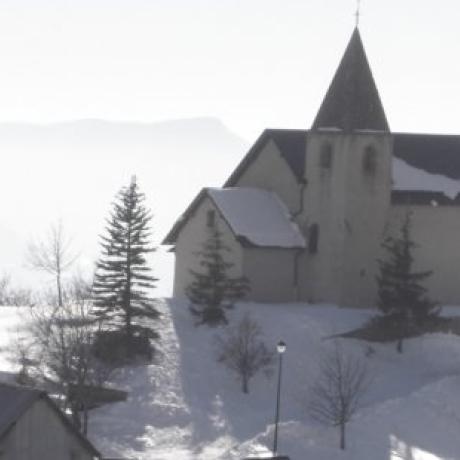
[(63, 337), (4, 288), (243, 351), (20, 350), (14, 296), (52, 255), (336, 394)]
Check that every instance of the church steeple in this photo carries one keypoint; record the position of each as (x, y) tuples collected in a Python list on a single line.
[(352, 101)]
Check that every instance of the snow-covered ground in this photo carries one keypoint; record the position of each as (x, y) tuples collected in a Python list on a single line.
[(185, 406)]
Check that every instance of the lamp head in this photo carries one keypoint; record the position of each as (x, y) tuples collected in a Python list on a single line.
[(281, 347)]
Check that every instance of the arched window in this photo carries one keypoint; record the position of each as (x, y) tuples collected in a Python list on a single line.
[(313, 237), (370, 160), (325, 157)]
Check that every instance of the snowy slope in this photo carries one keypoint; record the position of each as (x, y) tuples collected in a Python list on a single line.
[(184, 406), (187, 407)]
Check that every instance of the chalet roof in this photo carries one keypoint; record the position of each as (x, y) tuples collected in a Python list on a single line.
[(352, 101), (16, 400), (257, 218)]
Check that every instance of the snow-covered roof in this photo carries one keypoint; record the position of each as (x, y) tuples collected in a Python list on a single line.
[(257, 215), (410, 178)]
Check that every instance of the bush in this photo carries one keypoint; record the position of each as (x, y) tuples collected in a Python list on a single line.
[(117, 348), (383, 328)]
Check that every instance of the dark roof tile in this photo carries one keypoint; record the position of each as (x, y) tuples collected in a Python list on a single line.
[(434, 153), (290, 142), (352, 101)]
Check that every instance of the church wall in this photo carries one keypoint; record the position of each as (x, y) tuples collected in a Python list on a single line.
[(350, 210), (271, 274), (436, 230), (321, 270), (367, 212), (271, 172), (191, 238)]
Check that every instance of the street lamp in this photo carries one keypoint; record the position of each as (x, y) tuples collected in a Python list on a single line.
[(280, 348)]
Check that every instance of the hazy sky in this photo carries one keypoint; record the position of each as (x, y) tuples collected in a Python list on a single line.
[(251, 63)]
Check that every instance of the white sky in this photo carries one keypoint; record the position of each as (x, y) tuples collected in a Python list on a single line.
[(251, 63)]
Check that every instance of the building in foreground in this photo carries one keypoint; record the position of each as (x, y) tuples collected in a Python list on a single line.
[(32, 427)]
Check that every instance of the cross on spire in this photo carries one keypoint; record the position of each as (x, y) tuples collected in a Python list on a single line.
[(358, 12)]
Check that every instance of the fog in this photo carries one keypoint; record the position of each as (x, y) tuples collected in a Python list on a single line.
[(72, 172)]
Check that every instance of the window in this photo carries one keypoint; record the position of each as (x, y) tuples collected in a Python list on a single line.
[(325, 158), (370, 160), (211, 218), (313, 236)]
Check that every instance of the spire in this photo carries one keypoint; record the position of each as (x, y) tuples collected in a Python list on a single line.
[(352, 101), (358, 12)]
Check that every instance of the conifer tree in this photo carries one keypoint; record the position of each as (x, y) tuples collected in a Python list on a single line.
[(402, 298), (213, 290), (122, 276)]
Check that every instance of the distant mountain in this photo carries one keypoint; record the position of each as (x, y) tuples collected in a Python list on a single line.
[(72, 171)]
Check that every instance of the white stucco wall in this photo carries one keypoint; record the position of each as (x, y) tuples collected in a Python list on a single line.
[(351, 209), (271, 172), (41, 435), (367, 212), (270, 270), (436, 230), (190, 240), (271, 274)]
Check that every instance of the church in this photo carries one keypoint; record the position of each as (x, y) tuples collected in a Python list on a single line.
[(305, 212)]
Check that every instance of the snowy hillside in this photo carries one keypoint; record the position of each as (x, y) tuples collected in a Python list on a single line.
[(73, 170), (185, 406)]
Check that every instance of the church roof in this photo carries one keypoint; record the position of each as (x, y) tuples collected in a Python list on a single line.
[(411, 179), (352, 101), (436, 154), (290, 142), (257, 217)]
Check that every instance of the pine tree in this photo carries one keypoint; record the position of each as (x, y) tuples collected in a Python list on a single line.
[(122, 276), (402, 298), (213, 289)]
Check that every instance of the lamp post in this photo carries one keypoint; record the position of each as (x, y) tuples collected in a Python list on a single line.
[(280, 348)]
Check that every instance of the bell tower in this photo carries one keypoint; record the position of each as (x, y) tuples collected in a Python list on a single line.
[(348, 172)]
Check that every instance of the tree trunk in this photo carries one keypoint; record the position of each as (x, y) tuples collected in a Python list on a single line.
[(75, 416), (85, 420), (399, 346), (245, 386), (59, 289), (342, 436)]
